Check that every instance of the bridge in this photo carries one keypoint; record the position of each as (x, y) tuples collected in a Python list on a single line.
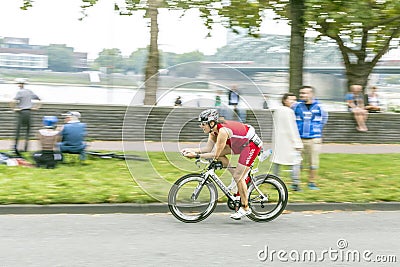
[(251, 71)]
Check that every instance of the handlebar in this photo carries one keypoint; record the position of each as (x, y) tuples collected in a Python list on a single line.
[(212, 164), (216, 165)]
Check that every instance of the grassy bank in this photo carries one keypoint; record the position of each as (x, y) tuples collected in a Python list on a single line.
[(343, 178)]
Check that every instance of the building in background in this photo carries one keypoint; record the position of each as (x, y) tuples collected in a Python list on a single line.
[(17, 53)]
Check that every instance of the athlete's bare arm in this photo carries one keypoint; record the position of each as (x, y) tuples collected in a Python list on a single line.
[(204, 151), (223, 136)]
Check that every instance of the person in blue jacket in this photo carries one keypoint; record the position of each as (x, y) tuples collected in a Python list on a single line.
[(73, 134), (311, 119)]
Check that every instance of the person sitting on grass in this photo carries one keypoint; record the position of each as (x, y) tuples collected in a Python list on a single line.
[(48, 138), (72, 134)]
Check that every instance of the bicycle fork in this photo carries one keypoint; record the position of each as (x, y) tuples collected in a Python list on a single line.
[(198, 188)]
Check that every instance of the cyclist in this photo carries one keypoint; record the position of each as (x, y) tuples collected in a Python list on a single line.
[(229, 137)]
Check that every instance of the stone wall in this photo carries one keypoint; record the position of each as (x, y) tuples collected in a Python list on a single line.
[(139, 123)]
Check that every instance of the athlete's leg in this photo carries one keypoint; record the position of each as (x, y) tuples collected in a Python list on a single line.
[(239, 175), (246, 159)]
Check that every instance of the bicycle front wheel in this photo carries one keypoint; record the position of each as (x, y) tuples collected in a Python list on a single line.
[(191, 199), (270, 200)]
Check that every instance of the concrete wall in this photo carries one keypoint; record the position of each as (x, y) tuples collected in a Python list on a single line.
[(180, 124)]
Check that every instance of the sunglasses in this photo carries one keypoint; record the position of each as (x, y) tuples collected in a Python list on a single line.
[(203, 123)]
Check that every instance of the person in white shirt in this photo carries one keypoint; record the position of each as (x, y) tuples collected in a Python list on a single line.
[(286, 141), (372, 101)]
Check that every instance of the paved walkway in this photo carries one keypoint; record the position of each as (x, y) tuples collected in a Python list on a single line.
[(172, 146)]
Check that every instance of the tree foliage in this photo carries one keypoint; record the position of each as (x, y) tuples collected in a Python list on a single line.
[(232, 14), (26, 4), (137, 60), (115, 62), (61, 57), (363, 30), (111, 59)]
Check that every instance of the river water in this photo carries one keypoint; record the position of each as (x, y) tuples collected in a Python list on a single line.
[(70, 94)]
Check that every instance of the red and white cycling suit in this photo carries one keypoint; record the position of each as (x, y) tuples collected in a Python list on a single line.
[(241, 141)]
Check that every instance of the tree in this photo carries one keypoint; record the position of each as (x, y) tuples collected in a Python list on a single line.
[(363, 30), (111, 59), (294, 11), (232, 14), (136, 60), (153, 59), (185, 70), (61, 57), (297, 41)]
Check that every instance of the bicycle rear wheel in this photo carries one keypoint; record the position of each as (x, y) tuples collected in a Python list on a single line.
[(187, 207), (273, 200)]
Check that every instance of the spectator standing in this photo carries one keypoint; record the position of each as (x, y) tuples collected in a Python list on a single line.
[(310, 119), (265, 103), (218, 101), (221, 108), (233, 97), (23, 103), (72, 135), (372, 101), (286, 142), (355, 104), (233, 101)]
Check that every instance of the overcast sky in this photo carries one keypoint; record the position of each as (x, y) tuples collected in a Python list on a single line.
[(57, 22)]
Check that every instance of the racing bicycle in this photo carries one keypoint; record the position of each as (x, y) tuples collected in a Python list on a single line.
[(193, 197)]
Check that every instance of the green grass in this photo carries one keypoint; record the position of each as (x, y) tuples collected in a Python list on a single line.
[(342, 178), (74, 78), (353, 178)]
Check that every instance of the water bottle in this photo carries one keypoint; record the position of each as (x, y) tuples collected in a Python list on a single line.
[(265, 155)]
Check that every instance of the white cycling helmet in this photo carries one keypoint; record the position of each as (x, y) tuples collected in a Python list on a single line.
[(209, 115)]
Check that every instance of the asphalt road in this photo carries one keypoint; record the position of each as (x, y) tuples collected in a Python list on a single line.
[(330, 238)]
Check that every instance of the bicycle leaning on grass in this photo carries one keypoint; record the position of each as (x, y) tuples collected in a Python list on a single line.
[(193, 197)]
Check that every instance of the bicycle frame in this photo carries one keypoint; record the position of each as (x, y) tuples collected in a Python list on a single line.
[(202, 190), (211, 174)]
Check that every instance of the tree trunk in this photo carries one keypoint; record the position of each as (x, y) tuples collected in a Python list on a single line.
[(296, 58), (358, 73), (153, 61)]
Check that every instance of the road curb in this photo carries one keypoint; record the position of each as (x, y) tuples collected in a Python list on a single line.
[(163, 208)]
